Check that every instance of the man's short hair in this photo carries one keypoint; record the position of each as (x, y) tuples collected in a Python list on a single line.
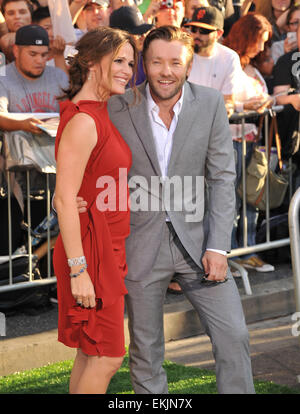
[(5, 2), (169, 34), (40, 14)]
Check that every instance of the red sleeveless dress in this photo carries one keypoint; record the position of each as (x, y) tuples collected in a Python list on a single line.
[(97, 331)]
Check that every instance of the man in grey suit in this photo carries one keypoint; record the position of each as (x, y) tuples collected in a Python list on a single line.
[(178, 133), (176, 130)]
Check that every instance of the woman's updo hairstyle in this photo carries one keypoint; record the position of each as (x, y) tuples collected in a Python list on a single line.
[(108, 41)]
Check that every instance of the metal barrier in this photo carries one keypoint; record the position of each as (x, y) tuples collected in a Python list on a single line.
[(295, 243), (268, 244), (30, 254), (236, 252)]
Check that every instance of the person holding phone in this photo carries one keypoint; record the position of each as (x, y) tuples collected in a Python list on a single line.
[(290, 42)]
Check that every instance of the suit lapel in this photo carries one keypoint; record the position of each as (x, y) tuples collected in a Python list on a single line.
[(140, 119), (185, 121)]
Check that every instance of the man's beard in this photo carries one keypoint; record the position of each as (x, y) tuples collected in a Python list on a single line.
[(28, 73), (32, 75), (171, 95), (196, 48), (203, 45)]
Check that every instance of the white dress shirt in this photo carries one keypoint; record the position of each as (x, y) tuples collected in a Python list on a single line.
[(163, 137)]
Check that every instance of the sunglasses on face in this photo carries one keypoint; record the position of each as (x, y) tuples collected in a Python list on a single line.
[(202, 30)]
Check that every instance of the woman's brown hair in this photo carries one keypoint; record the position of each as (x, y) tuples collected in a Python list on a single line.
[(92, 47), (265, 8)]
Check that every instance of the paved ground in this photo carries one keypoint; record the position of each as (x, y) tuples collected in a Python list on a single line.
[(275, 352)]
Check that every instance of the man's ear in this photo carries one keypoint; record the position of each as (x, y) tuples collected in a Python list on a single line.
[(189, 69), (219, 34), (16, 51)]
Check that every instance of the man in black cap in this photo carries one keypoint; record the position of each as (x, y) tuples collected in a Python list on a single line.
[(131, 20), (214, 65), (29, 85)]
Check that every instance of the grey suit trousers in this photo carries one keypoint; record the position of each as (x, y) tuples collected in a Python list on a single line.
[(219, 308)]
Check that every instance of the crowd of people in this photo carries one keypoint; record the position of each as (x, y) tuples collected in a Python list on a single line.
[(241, 57)]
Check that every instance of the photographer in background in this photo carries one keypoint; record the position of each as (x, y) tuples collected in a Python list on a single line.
[(165, 13)]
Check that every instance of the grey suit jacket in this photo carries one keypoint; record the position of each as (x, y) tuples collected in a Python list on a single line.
[(202, 147)]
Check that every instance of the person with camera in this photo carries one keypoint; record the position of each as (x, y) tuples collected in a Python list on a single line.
[(165, 12)]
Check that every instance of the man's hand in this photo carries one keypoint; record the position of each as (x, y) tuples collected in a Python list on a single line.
[(58, 46), (30, 125), (81, 205), (215, 265), (152, 11)]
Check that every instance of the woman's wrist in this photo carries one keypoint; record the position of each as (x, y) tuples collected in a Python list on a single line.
[(80, 260)]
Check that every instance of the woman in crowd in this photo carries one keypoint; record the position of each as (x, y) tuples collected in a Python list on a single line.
[(281, 47), (89, 256), (273, 10), (248, 37)]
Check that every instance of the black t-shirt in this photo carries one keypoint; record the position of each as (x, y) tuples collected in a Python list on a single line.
[(287, 70)]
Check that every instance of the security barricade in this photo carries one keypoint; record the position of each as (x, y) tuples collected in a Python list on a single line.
[(295, 243), (32, 280), (268, 244), (24, 155)]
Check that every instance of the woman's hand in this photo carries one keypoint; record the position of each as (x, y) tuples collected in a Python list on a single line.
[(289, 46), (83, 289), (258, 104)]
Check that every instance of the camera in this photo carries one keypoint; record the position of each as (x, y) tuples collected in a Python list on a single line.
[(167, 4)]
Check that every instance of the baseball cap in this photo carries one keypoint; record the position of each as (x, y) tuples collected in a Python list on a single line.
[(32, 35), (208, 18), (103, 3), (130, 20)]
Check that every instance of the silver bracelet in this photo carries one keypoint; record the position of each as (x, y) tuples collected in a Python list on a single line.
[(79, 272), (76, 261)]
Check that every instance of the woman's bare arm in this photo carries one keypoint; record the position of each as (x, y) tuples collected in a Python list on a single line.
[(76, 144)]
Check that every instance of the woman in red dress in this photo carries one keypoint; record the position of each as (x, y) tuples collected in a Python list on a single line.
[(89, 256)]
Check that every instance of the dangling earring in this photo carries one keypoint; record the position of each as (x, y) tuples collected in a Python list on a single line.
[(89, 77)]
